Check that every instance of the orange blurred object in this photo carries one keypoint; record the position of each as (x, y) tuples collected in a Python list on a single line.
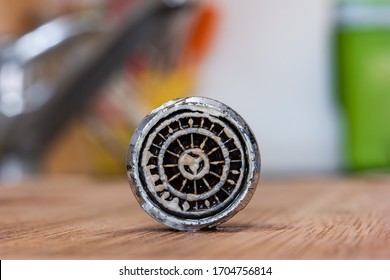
[(158, 86), (201, 34)]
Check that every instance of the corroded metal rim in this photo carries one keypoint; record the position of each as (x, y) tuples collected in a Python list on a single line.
[(193, 163)]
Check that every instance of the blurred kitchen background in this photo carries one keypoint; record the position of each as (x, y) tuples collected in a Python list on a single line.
[(312, 79)]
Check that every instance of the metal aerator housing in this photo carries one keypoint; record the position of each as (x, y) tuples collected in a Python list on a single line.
[(193, 163)]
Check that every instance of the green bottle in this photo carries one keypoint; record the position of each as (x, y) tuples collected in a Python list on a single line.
[(363, 78)]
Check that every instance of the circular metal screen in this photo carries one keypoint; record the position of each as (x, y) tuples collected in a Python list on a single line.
[(193, 163)]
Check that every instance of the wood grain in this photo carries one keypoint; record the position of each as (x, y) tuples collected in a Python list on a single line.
[(84, 218)]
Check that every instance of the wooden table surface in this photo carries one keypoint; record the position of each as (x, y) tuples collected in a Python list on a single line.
[(85, 218)]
